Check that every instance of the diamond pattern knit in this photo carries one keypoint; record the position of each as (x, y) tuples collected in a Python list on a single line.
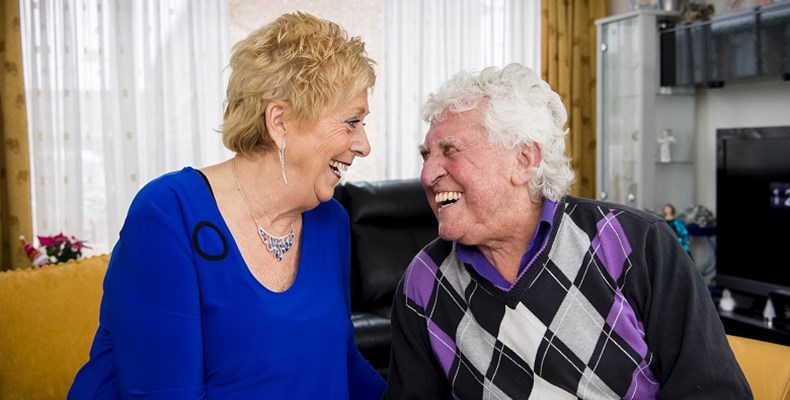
[(571, 326)]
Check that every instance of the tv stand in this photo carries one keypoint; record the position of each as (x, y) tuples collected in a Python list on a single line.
[(751, 327), (747, 318)]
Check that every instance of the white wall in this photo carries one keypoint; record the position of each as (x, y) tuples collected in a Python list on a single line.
[(752, 103)]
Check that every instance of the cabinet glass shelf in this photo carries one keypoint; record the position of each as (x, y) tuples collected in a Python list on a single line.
[(634, 112)]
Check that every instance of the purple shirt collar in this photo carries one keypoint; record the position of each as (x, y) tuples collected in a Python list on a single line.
[(471, 254)]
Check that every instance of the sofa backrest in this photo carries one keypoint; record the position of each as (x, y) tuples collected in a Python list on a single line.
[(390, 222)]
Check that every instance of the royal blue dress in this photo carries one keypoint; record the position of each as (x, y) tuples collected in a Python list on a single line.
[(182, 317)]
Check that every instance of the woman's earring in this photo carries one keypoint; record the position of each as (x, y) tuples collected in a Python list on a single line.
[(282, 160)]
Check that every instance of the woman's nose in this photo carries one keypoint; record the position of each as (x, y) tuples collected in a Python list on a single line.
[(360, 145)]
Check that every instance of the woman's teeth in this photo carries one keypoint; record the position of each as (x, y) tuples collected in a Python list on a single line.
[(338, 166)]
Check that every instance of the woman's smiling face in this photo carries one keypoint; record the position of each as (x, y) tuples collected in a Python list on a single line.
[(322, 151)]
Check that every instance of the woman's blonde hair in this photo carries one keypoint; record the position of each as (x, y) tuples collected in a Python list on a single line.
[(308, 62)]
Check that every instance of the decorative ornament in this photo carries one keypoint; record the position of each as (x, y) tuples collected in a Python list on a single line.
[(282, 160), (276, 245), (37, 258)]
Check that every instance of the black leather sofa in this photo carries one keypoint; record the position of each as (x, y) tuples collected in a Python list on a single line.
[(390, 222)]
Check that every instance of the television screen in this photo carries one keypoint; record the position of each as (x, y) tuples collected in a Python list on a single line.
[(753, 209)]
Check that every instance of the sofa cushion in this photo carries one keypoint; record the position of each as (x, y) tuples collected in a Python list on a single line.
[(373, 335), (48, 317)]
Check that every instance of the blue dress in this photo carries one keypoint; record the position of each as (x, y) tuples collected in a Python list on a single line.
[(182, 316)]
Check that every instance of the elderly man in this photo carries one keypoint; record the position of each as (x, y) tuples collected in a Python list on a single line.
[(531, 293)]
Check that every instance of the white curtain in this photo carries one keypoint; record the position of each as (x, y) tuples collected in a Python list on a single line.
[(427, 41), (118, 92)]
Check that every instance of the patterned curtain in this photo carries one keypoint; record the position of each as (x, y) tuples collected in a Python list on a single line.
[(15, 206), (568, 63), (118, 93)]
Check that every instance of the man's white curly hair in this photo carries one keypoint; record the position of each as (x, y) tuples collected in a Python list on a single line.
[(520, 109)]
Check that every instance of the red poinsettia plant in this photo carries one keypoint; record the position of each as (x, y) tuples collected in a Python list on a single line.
[(63, 247)]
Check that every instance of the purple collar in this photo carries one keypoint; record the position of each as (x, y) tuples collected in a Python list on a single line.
[(471, 254)]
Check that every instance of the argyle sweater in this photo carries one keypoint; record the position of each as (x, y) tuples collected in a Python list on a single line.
[(610, 307)]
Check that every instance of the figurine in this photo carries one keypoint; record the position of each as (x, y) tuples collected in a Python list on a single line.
[(678, 226), (694, 11), (37, 257), (664, 141)]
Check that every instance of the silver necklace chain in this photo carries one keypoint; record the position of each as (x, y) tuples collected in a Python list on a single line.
[(276, 245)]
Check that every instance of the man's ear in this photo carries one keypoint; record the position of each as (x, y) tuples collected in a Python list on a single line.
[(527, 158), (274, 119)]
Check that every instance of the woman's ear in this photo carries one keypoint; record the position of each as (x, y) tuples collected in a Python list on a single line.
[(274, 119), (527, 158)]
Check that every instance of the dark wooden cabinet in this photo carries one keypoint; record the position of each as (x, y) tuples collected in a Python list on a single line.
[(774, 35), (753, 43)]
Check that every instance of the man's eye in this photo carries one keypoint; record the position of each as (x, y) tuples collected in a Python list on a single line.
[(424, 155), (449, 150), (353, 122)]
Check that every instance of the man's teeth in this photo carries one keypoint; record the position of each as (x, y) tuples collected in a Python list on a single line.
[(447, 198), (338, 166)]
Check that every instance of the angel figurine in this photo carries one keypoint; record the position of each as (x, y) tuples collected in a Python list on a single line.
[(664, 141)]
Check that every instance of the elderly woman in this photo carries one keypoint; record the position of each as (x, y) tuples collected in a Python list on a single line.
[(531, 293), (231, 281)]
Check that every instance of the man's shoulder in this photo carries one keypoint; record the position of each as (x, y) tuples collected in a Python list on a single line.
[(605, 209), (426, 263)]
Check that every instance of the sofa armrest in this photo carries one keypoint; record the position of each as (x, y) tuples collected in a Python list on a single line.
[(48, 317), (766, 366)]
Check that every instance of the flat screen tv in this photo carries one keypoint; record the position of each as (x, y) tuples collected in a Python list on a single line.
[(753, 210)]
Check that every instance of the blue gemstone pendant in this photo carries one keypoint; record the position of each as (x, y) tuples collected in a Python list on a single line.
[(277, 245)]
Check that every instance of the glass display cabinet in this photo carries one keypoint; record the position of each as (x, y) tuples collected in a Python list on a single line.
[(645, 132)]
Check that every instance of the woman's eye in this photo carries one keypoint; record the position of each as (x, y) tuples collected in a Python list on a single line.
[(353, 122)]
